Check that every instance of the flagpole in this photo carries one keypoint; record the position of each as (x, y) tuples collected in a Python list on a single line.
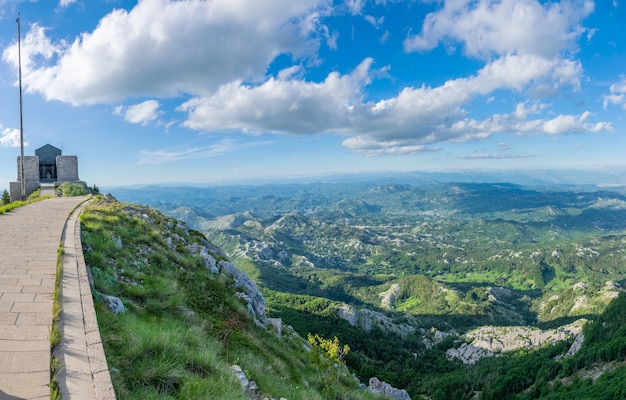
[(19, 63)]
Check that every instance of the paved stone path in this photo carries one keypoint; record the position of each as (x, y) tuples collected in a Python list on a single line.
[(29, 239), (47, 189)]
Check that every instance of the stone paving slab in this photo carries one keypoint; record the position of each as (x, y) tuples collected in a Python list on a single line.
[(29, 239)]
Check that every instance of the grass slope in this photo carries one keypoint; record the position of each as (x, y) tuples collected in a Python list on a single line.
[(184, 327)]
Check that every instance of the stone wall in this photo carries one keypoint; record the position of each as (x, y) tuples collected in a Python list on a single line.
[(67, 169), (16, 190), (31, 169)]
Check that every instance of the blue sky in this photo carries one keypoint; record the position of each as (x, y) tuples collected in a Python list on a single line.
[(222, 91)]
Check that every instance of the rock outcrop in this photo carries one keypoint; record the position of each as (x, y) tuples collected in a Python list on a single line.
[(578, 342), (388, 297), (488, 341), (248, 289), (367, 319), (468, 353), (254, 298), (379, 387)]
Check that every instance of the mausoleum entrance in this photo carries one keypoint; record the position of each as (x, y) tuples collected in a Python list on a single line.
[(47, 172), (47, 163)]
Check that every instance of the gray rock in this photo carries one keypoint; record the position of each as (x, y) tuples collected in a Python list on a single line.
[(580, 339), (468, 354), (487, 341), (388, 297), (367, 319), (434, 336), (208, 259), (255, 299), (240, 375), (348, 313), (250, 387), (278, 324), (114, 304), (117, 241), (379, 387), (109, 198)]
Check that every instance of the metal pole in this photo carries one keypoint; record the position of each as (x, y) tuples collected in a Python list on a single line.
[(19, 63)]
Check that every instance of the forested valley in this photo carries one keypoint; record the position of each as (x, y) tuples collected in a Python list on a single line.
[(448, 290)]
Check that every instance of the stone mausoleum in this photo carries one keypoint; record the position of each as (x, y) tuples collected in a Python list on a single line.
[(48, 165)]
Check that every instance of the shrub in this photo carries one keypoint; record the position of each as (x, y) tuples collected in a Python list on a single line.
[(71, 189)]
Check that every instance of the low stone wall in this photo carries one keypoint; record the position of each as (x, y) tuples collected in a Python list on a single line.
[(16, 190)]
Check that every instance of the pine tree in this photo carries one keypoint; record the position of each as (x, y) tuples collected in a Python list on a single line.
[(6, 198)]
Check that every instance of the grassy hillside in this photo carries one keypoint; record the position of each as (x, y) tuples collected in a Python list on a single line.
[(185, 326)]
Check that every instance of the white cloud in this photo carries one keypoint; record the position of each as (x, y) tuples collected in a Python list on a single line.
[(523, 110), (36, 46), (385, 37), (574, 124), (372, 148), (281, 106), (591, 33), (502, 27), (376, 23), (355, 6), (410, 122), (164, 48), (65, 3), (142, 113), (218, 148), (617, 94), (10, 137), (170, 155), (494, 156)]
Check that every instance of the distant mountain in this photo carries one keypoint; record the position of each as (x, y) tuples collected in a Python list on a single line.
[(581, 179)]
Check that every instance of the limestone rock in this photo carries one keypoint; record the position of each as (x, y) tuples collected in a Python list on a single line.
[(250, 387), (468, 354), (254, 298), (379, 387), (578, 342), (208, 259), (114, 303), (348, 313), (278, 324), (388, 297), (118, 242), (109, 198), (434, 336), (367, 319), (500, 339), (240, 375)]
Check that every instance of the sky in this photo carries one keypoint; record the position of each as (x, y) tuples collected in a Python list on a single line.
[(225, 91)]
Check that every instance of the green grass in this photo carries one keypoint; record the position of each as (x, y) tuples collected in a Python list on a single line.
[(55, 333), (33, 198), (184, 327)]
